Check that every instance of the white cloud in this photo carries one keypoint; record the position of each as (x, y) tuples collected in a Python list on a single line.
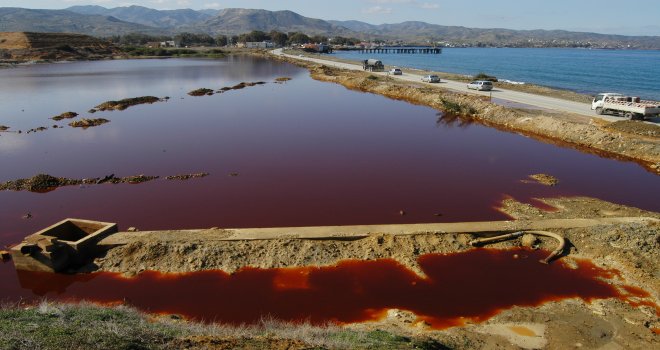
[(391, 1), (429, 6), (212, 5), (377, 10), (183, 2)]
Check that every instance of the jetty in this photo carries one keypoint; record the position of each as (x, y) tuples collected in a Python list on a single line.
[(397, 50)]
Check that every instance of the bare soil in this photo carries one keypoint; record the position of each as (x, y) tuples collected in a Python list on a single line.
[(17, 47), (632, 249)]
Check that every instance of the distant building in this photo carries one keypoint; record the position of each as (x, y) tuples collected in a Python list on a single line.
[(259, 45), (319, 48), (168, 43), (152, 45)]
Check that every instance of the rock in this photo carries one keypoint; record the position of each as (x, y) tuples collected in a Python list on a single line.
[(132, 229), (5, 255), (88, 123), (201, 92), (529, 240), (65, 115), (125, 103)]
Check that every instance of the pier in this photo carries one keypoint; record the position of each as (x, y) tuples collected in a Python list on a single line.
[(401, 50)]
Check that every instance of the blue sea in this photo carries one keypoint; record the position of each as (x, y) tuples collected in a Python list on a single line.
[(631, 72)]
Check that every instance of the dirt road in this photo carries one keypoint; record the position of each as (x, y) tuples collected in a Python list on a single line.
[(544, 102)]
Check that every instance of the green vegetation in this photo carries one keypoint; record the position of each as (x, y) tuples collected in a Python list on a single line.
[(86, 326), (372, 77), (456, 108), (484, 76), (136, 51)]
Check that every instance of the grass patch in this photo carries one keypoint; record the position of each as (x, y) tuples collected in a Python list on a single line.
[(372, 77), (139, 51), (87, 326)]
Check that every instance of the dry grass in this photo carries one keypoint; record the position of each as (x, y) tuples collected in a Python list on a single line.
[(87, 326)]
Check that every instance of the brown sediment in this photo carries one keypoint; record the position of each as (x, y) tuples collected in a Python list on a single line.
[(46, 183), (545, 179), (88, 123), (589, 135), (201, 92), (65, 115), (4, 128), (241, 85), (187, 176), (282, 79), (41, 128), (635, 128), (125, 103)]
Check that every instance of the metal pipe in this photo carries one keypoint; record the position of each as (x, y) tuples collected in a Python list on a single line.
[(561, 242)]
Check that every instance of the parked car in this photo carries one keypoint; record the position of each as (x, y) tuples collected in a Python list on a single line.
[(431, 78), (481, 85), (396, 71)]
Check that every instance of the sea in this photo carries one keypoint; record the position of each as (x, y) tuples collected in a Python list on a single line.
[(631, 72)]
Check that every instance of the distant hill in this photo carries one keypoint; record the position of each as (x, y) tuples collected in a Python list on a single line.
[(146, 16), (421, 31), (237, 21), (28, 20), (101, 21)]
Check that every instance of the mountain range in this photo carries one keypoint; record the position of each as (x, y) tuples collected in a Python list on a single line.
[(101, 21)]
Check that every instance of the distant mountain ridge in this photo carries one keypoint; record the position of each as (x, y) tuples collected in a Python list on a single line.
[(101, 21), (14, 19), (146, 16)]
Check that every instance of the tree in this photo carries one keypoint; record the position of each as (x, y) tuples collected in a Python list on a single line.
[(221, 40), (278, 38), (253, 36), (298, 38), (192, 39), (319, 39)]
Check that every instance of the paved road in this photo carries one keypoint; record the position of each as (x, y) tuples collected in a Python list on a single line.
[(538, 101)]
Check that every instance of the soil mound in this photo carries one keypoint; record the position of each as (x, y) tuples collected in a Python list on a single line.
[(27, 46)]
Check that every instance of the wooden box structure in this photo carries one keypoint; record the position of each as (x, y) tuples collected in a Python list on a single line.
[(66, 243)]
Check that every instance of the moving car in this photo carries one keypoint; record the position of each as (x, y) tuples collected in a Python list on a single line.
[(396, 71), (432, 78), (481, 85)]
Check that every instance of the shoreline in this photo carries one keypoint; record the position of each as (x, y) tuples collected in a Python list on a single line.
[(587, 134)]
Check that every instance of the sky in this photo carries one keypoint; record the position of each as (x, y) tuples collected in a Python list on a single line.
[(630, 17)]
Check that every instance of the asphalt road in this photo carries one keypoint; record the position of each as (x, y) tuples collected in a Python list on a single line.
[(536, 101)]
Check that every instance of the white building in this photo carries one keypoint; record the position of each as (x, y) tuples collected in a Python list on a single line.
[(259, 45)]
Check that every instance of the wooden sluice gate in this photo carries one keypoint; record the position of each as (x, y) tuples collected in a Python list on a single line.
[(74, 242)]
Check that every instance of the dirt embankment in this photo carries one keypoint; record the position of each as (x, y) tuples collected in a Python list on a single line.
[(16, 47), (588, 135), (556, 325)]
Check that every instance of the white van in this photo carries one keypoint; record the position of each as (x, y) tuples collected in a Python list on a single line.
[(481, 85)]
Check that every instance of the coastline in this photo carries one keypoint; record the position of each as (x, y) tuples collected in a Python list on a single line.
[(591, 135)]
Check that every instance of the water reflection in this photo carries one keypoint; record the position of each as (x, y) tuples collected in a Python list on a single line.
[(449, 120)]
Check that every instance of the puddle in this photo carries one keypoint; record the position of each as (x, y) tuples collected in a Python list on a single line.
[(459, 288)]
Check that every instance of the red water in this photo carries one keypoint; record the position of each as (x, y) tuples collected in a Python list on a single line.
[(307, 153), (470, 286)]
